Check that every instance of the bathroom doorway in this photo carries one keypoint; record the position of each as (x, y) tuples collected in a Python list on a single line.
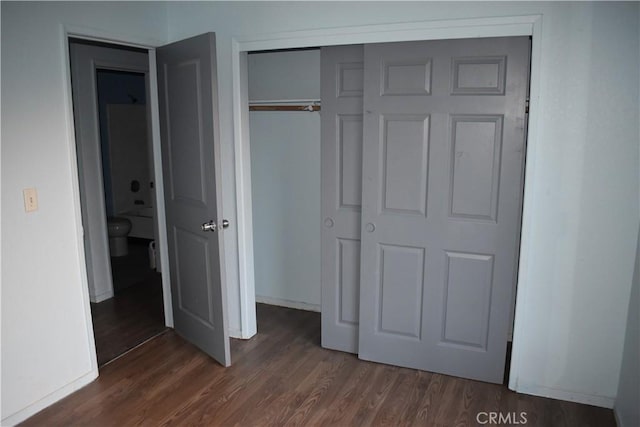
[(110, 86)]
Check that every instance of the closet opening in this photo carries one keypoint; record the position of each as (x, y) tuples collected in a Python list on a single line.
[(284, 122), (396, 210)]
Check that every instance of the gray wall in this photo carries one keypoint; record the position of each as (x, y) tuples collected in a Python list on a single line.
[(628, 399), (285, 176)]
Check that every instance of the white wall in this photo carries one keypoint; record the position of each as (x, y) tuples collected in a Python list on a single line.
[(583, 197), (284, 75), (285, 172), (626, 406), (47, 343)]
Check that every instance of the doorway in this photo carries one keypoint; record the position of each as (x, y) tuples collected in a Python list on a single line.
[(115, 163)]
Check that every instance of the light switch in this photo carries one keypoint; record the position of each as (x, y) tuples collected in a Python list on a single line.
[(30, 199)]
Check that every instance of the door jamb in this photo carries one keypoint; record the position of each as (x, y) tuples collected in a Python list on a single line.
[(527, 25), (153, 111)]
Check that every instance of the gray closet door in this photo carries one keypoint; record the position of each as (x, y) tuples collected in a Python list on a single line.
[(191, 168), (341, 125), (442, 183)]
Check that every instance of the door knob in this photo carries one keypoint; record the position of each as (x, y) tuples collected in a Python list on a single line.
[(225, 223), (209, 226), (370, 227)]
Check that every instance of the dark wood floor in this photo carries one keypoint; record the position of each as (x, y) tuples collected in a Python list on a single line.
[(283, 376), (135, 313), (131, 317)]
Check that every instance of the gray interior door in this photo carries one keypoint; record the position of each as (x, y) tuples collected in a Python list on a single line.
[(191, 168), (341, 127), (442, 183)]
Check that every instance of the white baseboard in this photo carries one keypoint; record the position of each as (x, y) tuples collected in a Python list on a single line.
[(288, 303), (101, 297), (236, 333), (570, 396), (50, 399)]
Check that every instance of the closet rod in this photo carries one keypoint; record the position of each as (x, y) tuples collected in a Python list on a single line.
[(285, 105), (275, 107)]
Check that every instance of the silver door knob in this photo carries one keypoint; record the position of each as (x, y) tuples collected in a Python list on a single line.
[(225, 223), (209, 226), (370, 227)]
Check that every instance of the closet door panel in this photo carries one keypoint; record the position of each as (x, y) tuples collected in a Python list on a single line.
[(443, 158), (341, 128)]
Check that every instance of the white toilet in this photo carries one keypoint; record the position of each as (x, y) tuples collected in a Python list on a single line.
[(118, 230)]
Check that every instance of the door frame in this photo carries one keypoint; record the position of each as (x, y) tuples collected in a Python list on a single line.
[(94, 166), (525, 25), (84, 33)]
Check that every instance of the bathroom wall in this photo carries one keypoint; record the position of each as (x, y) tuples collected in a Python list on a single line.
[(115, 87), (129, 164), (285, 171)]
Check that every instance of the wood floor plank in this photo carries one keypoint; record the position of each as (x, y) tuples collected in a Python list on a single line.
[(324, 391), (415, 395), (396, 403), (451, 402), (376, 396), (345, 401), (283, 377), (428, 408)]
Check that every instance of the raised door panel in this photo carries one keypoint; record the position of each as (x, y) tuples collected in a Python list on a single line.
[(405, 157), (194, 296), (400, 293), (476, 145), (467, 302), (479, 75), (348, 281), (183, 88), (349, 75), (350, 160), (407, 77)]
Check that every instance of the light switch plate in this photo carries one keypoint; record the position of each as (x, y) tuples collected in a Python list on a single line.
[(30, 199)]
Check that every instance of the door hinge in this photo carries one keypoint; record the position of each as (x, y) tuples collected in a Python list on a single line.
[(526, 106)]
